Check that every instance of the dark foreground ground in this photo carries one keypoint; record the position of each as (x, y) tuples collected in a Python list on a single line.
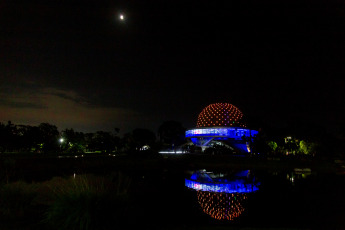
[(157, 198)]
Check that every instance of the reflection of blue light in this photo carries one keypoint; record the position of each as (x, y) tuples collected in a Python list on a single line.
[(243, 182), (237, 186)]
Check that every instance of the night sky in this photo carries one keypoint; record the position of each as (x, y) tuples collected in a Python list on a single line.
[(75, 64)]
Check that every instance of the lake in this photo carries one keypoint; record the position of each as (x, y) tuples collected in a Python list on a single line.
[(167, 193), (298, 199)]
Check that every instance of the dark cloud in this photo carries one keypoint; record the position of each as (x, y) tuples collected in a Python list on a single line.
[(66, 109), (18, 104)]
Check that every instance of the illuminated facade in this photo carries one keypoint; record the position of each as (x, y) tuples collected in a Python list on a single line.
[(222, 123)]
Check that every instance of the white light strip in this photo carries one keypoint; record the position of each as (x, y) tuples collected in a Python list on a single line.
[(171, 152)]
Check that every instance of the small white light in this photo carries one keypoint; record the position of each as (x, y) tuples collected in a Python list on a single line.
[(122, 17)]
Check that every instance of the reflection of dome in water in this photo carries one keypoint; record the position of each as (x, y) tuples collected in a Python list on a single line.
[(220, 114), (220, 197), (221, 206)]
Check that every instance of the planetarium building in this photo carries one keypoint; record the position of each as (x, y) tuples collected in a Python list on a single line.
[(222, 124)]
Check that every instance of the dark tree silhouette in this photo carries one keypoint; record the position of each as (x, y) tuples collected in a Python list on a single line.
[(8, 135), (29, 138), (74, 142), (143, 137), (102, 141), (171, 133), (49, 135)]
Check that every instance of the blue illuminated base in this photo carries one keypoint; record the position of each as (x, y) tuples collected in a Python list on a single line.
[(238, 138), (219, 132)]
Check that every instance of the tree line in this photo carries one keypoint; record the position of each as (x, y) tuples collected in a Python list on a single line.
[(46, 138), (298, 139)]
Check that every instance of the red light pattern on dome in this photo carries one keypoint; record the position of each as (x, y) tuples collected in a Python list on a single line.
[(220, 114)]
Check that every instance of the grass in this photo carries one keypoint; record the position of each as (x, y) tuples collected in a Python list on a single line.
[(16, 199), (81, 202), (88, 202)]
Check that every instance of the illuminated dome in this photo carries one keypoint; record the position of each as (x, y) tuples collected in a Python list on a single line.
[(221, 125), (220, 114)]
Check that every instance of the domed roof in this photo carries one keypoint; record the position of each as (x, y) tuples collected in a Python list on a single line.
[(220, 114)]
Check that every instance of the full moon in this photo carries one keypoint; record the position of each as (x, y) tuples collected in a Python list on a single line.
[(121, 17)]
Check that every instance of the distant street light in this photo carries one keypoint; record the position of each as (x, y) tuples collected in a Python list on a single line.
[(61, 140)]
